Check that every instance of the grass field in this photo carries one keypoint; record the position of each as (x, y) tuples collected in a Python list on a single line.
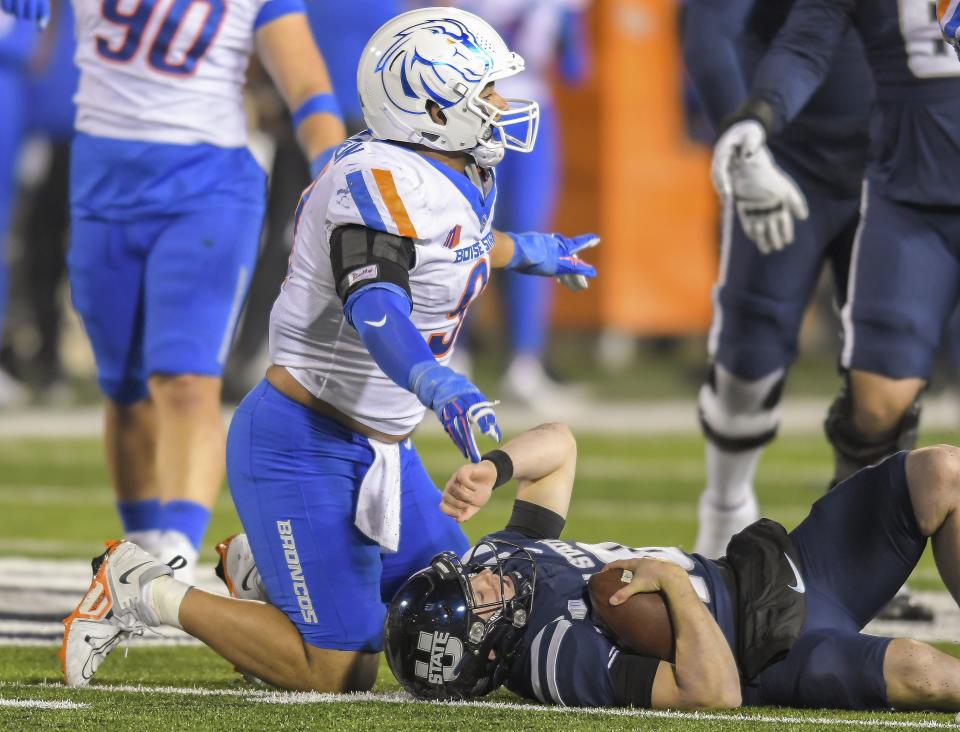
[(642, 491)]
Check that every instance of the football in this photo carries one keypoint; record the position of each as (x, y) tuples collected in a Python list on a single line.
[(641, 625)]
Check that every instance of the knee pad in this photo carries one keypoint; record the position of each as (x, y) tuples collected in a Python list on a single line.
[(737, 414), (857, 449)]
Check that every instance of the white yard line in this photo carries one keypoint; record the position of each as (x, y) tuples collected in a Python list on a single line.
[(42, 704), (279, 697), (801, 415)]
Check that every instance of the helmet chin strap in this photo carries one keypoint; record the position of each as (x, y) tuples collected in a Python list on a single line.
[(487, 157)]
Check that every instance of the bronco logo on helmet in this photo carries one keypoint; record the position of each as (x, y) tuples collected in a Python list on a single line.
[(447, 57)]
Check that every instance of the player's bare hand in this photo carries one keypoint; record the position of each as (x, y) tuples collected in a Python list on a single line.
[(646, 574), (468, 490)]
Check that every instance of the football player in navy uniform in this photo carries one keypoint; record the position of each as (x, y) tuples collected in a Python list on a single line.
[(777, 621), (764, 285), (905, 264)]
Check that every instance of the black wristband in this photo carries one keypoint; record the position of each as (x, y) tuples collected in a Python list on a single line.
[(503, 464), (756, 109)]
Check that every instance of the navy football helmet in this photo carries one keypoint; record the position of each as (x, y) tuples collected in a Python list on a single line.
[(437, 641)]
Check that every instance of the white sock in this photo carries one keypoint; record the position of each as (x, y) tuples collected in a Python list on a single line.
[(164, 595), (730, 476), (148, 540), (174, 544)]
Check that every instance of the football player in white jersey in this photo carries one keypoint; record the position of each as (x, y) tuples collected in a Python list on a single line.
[(393, 241), (166, 212)]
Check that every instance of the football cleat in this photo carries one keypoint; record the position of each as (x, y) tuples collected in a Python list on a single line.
[(239, 573), (111, 610), (238, 570)]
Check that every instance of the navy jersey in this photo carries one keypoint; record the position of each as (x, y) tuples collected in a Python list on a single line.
[(828, 139), (564, 657), (917, 78)]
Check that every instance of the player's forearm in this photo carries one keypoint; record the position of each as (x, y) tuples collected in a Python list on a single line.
[(544, 461), (710, 33), (320, 132), (706, 672), (799, 59), (288, 52), (381, 316), (502, 251)]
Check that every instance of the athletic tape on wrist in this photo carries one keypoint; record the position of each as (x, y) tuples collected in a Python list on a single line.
[(503, 464)]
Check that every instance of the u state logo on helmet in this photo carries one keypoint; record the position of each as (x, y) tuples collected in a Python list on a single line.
[(444, 652)]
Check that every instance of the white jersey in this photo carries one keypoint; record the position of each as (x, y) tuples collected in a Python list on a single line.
[(389, 188), (169, 71)]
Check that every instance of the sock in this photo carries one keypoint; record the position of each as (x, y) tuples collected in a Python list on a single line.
[(139, 516), (173, 544), (164, 596), (730, 476), (148, 540), (186, 517)]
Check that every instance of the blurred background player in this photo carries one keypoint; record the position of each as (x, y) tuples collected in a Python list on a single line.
[(549, 34), (342, 30), (50, 114), (766, 277), (17, 42), (166, 209), (905, 267)]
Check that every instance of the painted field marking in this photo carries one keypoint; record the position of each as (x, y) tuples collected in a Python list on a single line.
[(42, 704), (301, 697)]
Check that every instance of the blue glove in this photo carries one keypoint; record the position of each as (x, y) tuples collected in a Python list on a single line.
[(458, 404), (553, 255), (35, 10), (316, 165)]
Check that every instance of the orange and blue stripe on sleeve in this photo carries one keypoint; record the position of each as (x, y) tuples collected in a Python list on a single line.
[(948, 14), (393, 202), (365, 205)]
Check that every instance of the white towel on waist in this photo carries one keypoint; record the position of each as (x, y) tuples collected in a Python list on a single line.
[(378, 504)]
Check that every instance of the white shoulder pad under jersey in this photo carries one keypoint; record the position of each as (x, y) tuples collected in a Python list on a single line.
[(168, 70), (388, 188)]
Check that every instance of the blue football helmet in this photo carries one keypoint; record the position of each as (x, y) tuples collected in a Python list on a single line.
[(436, 642)]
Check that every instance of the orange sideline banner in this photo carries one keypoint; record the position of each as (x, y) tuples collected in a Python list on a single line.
[(631, 174)]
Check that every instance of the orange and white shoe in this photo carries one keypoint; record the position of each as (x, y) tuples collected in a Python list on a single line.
[(111, 610), (239, 573), (238, 570)]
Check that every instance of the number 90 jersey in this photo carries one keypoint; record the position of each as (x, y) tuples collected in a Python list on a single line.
[(169, 71), (386, 187)]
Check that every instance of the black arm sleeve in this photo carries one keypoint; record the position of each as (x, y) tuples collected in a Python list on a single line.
[(360, 256), (535, 522), (632, 678)]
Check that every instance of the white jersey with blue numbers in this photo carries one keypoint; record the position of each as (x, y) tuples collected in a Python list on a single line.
[(386, 187), (169, 71)]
